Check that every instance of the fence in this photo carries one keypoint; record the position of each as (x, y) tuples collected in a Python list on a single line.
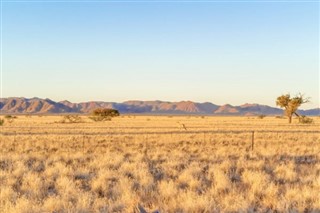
[(81, 140)]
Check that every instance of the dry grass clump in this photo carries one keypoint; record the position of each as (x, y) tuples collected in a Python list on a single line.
[(170, 173)]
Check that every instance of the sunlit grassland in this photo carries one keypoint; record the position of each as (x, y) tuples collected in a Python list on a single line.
[(165, 163)]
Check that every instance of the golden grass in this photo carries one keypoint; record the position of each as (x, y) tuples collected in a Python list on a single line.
[(115, 166)]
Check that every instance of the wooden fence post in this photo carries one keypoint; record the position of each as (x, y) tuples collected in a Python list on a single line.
[(252, 141), (83, 137)]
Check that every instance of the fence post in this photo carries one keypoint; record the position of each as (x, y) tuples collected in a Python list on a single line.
[(83, 143), (252, 141), (14, 142), (146, 145)]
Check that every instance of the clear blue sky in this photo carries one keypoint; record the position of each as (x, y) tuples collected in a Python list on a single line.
[(222, 52)]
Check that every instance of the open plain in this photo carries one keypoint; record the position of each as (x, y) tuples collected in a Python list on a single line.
[(164, 163)]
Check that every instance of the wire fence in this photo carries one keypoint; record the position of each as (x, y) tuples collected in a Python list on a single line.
[(82, 140), (159, 132)]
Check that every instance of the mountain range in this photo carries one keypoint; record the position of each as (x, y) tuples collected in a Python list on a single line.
[(20, 105)]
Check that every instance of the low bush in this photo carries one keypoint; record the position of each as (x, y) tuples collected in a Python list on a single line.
[(71, 119), (10, 117), (99, 118), (101, 114), (261, 116), (105, 112), (305, 120)]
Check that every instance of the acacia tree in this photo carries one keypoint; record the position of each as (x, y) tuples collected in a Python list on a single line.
[(291, 104)]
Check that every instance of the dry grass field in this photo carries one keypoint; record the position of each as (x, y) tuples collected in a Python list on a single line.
[(164, 163)]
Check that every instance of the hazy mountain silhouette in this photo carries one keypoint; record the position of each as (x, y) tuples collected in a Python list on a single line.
[(20, 105)]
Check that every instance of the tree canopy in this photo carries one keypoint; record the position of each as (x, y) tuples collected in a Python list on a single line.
[(291, 104)]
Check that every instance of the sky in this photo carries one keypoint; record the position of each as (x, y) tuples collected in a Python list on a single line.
[(222, 52)]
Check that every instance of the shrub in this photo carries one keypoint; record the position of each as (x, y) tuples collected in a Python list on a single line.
[(10, 117), (1, 122), (71, 119), (106, 114), (99, 118), (305, 120), (261, 116)]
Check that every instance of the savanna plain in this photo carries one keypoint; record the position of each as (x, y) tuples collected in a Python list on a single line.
[(159, 163)]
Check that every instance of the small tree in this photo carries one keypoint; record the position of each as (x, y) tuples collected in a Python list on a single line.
[(291, 104), (105, 114)]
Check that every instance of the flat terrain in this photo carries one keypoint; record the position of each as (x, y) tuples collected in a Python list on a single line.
[(165, 163)]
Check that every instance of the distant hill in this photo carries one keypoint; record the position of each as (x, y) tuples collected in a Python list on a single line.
[(15, 105), (32, 105), (248, 109)]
